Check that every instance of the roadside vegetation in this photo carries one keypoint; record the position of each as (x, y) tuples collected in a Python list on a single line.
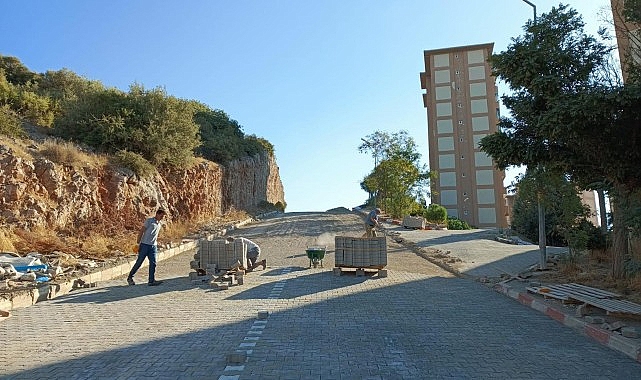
[(575, 125), (80, 123), (398, 183)]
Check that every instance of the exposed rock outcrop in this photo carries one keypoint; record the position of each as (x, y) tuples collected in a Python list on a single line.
[(40, 192)]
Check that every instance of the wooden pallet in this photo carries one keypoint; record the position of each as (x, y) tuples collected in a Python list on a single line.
[(547, 292), (579, 289), (601, 299), (359, 271), (611, 306)]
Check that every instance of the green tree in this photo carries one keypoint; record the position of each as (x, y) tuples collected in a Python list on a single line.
[(25, 102), (564, 211), (394, 180), (564, 119), (398, 151), (382, 145), (16, 72)]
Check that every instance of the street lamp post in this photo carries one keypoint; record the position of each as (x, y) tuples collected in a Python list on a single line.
[(541, 208), (533, 7)]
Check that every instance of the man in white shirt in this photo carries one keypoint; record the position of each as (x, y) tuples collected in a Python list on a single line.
[(147, 247), (253, 252)]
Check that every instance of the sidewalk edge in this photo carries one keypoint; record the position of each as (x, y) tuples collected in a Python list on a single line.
[(28, 297), (627, 346)]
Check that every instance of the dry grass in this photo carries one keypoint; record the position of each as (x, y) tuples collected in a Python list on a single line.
[(38, 239), (103, 240), (66, 153), (594, 269), (6, 240), (17, 147)]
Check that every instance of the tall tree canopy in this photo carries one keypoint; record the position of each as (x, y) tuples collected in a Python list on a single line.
[(398, 178), (564, 117)]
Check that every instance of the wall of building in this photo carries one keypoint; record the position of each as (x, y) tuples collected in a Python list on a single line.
[(462, 108)]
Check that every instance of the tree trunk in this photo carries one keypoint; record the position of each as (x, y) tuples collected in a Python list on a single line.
[(542, 237), (603, 217), (619, 234)]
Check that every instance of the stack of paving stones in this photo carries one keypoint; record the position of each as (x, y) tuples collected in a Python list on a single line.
[(220, 253), (219, 263), (360, 252)]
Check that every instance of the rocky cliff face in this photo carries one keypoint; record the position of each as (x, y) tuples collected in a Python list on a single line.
[(40, 192)]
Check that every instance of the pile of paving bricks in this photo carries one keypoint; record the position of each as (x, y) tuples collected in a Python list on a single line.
[(219, 263), (361, 252)]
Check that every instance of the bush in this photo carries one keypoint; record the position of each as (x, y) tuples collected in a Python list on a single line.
[(158, 127), (435, 213), (457, 224), (135, 162), (10, 124)]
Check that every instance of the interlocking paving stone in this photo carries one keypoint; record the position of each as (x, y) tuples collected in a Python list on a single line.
[(404, 326)]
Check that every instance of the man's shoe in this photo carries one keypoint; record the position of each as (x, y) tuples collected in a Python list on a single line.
[(130, 281), (155, 283), (264, 264)]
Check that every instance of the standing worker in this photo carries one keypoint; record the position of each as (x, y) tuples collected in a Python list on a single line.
[(253, 252), (147, 248), (371, 222)]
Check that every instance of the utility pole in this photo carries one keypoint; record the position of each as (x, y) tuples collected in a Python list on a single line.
[(543, 259), (533, 8)]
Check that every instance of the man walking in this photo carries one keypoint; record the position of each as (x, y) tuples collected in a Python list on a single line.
[(147, 248)]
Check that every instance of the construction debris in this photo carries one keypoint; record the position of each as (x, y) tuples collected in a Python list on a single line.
[(29, 271)]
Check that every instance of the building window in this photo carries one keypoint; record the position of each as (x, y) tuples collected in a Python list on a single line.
[(443, 109), (441, 60), (479, 106)]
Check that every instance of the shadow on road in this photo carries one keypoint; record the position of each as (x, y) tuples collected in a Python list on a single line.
[(435, 328)]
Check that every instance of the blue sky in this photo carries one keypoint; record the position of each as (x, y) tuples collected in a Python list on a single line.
[(312, 77)]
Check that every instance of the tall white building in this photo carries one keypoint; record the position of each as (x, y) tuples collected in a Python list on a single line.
[(462, 107)]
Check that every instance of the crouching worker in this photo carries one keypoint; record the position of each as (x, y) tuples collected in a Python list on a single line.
[(253, 253)]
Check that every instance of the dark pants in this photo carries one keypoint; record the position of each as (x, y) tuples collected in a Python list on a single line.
[(252, 256), (149, 252)]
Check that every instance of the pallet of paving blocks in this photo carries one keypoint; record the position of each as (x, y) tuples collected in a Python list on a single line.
[(221, 254), (361, 252)]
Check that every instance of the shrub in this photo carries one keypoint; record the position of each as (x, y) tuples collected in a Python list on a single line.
[(457, 224), (10, 123), (435, 213), (137, 163), (158, 127)]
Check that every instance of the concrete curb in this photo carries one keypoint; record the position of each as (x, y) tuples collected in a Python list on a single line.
[(627, 346), (46, 291)]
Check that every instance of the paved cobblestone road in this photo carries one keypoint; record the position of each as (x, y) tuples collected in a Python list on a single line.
[(417, 323)]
